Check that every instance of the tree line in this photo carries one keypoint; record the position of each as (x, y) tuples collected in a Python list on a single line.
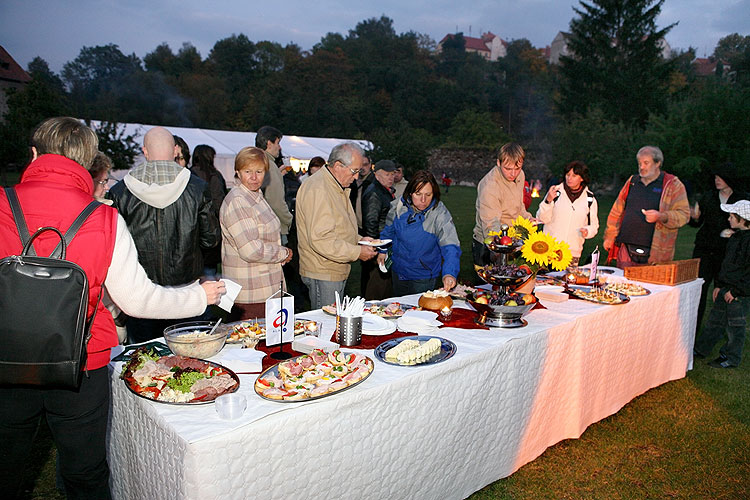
[(611, 95)]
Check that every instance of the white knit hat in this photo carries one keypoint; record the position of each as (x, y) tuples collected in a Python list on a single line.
[(741, 208)]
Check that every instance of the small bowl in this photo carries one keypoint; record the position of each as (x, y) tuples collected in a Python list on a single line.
[(230, 406), (192, 340)]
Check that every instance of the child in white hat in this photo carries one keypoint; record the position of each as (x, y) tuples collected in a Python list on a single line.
[(731, 293)]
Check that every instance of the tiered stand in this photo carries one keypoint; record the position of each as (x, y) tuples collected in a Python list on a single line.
[(496, 315)]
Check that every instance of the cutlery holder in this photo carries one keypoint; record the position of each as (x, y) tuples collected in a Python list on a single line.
[(349, 330)]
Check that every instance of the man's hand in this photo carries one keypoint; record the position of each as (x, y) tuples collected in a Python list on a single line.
[(214, 290), (716, 293), (652, 216), (728, 297), (381, 258), (607, 244), (366, 252), (449, 282), (695, 211)]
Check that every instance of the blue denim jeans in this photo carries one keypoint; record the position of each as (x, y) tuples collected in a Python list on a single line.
[(729, 318), (409, 287), (323, 293)]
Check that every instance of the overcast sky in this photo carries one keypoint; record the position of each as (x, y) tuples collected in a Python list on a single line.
[(56, 30)]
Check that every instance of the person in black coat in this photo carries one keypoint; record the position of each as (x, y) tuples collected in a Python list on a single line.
[(711, 238), (376, 202)]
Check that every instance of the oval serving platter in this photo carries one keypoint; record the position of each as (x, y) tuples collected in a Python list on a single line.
[(447, 350), (274, 370), (229, 372), (624, 299)]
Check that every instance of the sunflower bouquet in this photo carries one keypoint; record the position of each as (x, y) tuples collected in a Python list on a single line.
[(539, 250)]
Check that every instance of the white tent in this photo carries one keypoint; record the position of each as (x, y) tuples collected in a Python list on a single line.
[(227, 143)]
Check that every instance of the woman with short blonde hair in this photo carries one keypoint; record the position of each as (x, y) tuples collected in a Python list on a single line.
[(252, 254)]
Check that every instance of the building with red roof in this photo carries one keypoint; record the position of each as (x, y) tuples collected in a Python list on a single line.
[(489, 45), (12, 76)]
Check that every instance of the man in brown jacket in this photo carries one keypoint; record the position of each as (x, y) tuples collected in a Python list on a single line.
[(327, 226), (499, 198)]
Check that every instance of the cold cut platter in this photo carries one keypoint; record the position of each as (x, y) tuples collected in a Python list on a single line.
[(629, 289), (176, 379), (596, 295), (387, 310), (415, 351), (313, 376)]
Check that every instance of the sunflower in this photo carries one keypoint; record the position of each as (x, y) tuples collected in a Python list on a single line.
[(522, 228), (537, 247), (560, 256)]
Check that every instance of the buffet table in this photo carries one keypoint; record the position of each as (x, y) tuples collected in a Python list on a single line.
[(437, 431)]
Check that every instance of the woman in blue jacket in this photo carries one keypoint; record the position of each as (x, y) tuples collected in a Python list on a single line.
[(425, 243)]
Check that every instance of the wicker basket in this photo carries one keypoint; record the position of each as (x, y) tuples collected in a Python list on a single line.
[(667, 273)]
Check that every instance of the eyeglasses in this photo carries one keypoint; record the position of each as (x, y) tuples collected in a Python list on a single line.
[(354, 171), (102, 183)]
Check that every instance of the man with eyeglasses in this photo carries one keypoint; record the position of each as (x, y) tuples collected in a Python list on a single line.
[(499, 198), (327, 226)]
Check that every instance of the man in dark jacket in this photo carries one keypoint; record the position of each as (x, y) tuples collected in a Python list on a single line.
[(168, 212), (358, 187), (376, 201)]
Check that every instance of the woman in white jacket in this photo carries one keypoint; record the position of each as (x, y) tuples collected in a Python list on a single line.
[(570, 211)]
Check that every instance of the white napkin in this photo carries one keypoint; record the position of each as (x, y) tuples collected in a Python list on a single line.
[(371, 322), (227, 300), (240, 360), (421, 322)]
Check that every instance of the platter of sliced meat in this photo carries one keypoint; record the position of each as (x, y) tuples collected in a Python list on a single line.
[(313, 376), (177, 379)]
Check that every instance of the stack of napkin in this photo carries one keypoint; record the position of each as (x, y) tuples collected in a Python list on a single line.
[(421, 322), (240, 360)]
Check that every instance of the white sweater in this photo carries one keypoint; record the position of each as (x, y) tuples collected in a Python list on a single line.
[(564, 219), (133, 292)]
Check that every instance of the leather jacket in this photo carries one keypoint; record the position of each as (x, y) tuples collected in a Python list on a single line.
[(376, 201), (169, 239)]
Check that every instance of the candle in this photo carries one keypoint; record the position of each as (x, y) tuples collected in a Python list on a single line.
[(445, 312)]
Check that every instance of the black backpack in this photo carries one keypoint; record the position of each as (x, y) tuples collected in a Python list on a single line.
[(44, 300)]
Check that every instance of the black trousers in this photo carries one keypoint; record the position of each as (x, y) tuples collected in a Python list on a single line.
[(708, 270), (78, 422)]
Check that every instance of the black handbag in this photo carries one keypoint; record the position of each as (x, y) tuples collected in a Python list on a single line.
[(638, 254), (44, 300)]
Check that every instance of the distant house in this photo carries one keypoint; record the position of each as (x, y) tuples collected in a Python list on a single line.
[(705, 66), (489, 45), (559, 47), (12, 76)]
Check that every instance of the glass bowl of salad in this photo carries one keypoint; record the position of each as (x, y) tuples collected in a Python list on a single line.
[(194, 340)]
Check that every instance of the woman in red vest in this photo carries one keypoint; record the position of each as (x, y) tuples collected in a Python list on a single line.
[(54, 189)]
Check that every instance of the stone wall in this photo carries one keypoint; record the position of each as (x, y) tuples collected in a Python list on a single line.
[(467, 166)]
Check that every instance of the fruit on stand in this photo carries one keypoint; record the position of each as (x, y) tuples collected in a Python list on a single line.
[(498, 298)]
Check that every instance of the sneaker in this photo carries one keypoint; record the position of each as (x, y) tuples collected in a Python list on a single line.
[(721, 362)]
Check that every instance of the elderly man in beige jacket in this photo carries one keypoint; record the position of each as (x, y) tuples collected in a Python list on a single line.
[(327, 226), (499, 198)]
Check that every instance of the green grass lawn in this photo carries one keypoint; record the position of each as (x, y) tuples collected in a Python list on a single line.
[(685, 439)]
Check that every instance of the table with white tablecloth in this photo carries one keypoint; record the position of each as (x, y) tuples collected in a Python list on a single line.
[(436, 431)]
